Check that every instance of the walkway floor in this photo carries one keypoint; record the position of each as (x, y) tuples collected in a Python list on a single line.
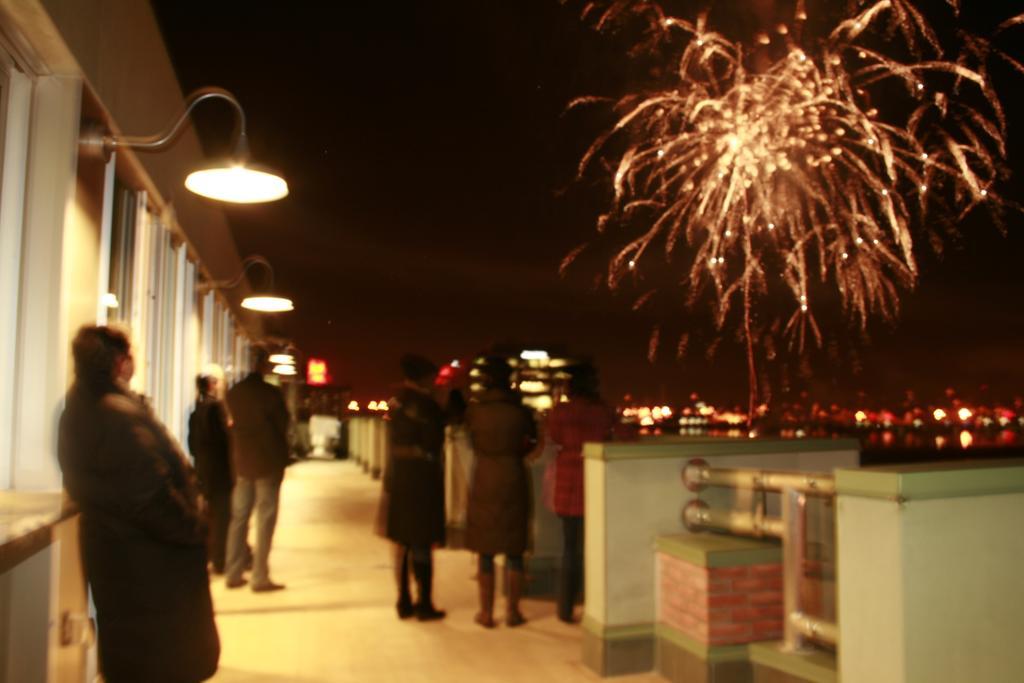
[(336, 620)]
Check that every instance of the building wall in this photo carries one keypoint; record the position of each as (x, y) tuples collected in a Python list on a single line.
[(64, 64)]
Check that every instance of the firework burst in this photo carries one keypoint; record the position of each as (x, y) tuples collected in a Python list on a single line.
[(757, 175)]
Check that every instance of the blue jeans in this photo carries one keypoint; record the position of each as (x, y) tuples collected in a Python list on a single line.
[(263, 494)]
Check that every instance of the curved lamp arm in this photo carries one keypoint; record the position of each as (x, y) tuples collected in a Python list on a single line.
[(247, 263), (155, 143)]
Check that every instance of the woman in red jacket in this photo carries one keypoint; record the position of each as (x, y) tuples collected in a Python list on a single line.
[(585, 417)]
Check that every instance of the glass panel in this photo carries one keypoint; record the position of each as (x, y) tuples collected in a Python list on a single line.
[(122, 253)]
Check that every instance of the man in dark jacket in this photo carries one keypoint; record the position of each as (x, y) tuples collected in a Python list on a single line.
[(142, 531), (259, 448), (210, 447)]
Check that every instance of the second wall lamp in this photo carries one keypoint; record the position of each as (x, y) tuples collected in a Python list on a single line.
[(231, 180), (263, 302)]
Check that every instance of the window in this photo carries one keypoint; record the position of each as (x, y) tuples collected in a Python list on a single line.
[(15, 108)]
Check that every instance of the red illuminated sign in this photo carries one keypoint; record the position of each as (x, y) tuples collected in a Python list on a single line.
[(316, 372)]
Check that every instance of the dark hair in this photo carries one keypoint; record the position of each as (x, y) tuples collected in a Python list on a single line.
[(259, 358), (496, 373), (456, 409), (416, 367), (583, 381), (203, 384), (96, 349)]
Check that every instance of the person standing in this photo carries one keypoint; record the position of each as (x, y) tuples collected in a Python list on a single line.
[(143, 535), (585, 417), (210, 447), (413, 500), (503, 432), (259, 448)]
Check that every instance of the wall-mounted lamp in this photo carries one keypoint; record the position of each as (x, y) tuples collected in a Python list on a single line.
[(264, 302), (230, 180)]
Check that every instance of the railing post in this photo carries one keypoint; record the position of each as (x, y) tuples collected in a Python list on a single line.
[(793, 510)]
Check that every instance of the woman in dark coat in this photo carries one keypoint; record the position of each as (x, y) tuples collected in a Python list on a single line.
[(413, 497), (142, 532), (502, 431), (209, 444)]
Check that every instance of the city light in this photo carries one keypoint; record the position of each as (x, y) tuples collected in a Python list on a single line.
[(939, 414), (353, 406), (282, 358), (964, 414), (534, 355), (285, 370), (316, 372)]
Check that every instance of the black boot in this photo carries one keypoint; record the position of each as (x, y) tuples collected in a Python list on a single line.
[(568, 589), (404, 607), (425, 610)]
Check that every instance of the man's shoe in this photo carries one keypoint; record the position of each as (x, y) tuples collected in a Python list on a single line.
[(267, 587), (405, 609), (429, 613), (235, 583)]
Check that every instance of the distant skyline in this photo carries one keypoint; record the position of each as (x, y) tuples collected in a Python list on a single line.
[(432, 166)]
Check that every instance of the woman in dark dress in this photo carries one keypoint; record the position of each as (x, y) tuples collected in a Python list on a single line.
[(503, 432), (413, 496), (142, 531)]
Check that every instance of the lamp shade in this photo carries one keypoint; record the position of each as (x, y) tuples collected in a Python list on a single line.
[(238, 183), (265, 303)]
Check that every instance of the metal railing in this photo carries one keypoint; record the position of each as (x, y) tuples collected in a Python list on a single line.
[(790, 527)]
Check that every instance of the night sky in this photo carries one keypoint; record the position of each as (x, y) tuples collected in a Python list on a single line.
[(433, 196)]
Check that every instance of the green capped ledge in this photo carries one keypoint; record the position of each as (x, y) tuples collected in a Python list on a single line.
[(718, 550), (813, 666), (933, 480)]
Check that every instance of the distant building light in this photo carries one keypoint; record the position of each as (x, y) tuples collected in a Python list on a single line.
[(284, 370), (533, 386), (282, 359), (455, 363), (316, 372), (372, 405), (965, 414), (353, 406), (939, 414), (542, 403), (109, 300), (534, 354)]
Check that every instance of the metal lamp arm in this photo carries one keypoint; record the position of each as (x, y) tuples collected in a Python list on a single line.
[(153, 143), (247, 263)]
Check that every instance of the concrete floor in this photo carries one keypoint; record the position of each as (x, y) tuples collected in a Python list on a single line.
[(336, 619)]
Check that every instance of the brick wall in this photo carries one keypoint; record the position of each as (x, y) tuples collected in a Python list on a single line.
[(721, 605)]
